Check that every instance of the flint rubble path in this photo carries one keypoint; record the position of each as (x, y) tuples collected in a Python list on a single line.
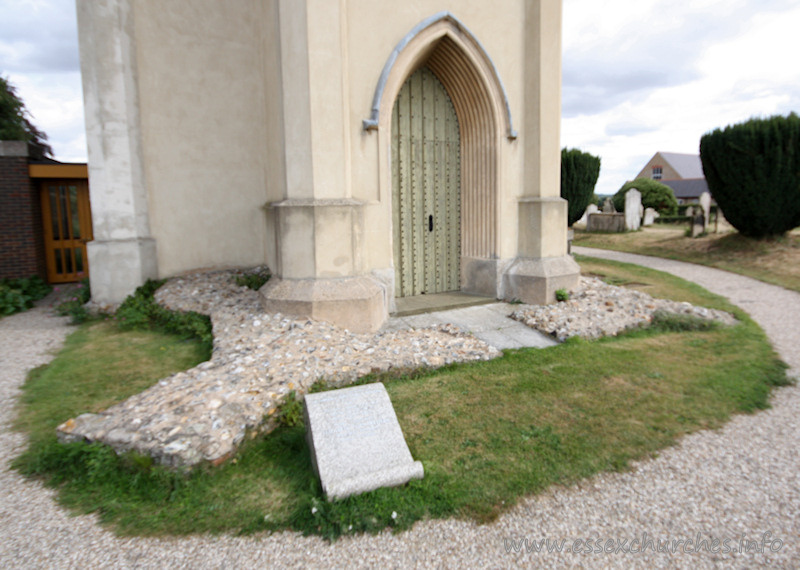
[(735, 483)]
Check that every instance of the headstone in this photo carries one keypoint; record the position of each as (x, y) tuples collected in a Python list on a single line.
[(608, 206), (650, 216), (689, 212), (698, 225), (590, 209), (705, 204), (633, 210), (356, 442), (613, 223)]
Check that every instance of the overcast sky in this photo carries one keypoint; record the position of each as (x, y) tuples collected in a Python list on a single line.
[(639, 76)]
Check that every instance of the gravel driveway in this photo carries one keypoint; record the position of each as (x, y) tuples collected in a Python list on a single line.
[(731, 486)]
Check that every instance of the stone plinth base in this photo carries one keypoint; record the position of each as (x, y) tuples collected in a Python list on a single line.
[(118, 267), (480, 276), (535, 281), (354, 303)]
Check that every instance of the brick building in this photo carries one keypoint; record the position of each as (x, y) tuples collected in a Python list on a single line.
[(33, 189)]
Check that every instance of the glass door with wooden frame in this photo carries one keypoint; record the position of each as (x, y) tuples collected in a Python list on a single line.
[(67, 228)]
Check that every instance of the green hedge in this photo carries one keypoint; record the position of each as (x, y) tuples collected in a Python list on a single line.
[(677, 220), (753, 172), (654, 195)]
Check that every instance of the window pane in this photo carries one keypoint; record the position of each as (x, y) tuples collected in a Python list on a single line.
[(54, 211), (62, 190), (68, 259), (73, 208), (79, 260)]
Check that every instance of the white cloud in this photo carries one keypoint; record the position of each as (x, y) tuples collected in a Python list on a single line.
[(38, 36), (639, 76), (656, 75), (39, 56), (55, 103)]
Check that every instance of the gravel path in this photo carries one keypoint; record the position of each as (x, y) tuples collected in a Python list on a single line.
[(733, 484)]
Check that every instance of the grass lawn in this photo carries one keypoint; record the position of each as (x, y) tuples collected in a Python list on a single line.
[(487, 434), (98, 367), (772, 261)]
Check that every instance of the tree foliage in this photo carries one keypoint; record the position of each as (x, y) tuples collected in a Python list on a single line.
[(753, 172), (14, 123), (579, 173), (654, 195)]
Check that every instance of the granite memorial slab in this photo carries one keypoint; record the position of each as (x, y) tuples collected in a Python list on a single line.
[(355, 441)]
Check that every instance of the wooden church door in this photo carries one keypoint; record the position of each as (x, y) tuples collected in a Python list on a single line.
[(426, 188)]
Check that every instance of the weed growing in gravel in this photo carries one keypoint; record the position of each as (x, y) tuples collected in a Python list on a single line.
[(290, 413), (19, 294), (141, 312), (254, 280), (75, 307)]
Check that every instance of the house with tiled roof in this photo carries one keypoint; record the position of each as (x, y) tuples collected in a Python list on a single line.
[(681, 172)]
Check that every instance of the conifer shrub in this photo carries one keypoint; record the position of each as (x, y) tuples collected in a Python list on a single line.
[(579, 173), (753, 172), (654, 195)]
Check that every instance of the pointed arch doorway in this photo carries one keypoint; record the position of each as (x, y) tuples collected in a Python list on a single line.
[(444, 46), (426, 188)]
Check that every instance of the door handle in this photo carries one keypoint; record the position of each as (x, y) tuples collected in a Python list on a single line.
[(430, 223)]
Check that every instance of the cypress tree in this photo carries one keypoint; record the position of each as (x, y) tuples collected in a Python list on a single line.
[(579, 173)]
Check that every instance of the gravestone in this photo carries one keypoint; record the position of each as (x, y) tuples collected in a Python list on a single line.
[(689, 212), (608, 206), (356, 442), (705, 204), (698, 225), (633, 210), (650, 216), (590, 209), (612, 223)]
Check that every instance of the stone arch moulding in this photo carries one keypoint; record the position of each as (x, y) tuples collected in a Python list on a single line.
[(435, 27), (469, 76)]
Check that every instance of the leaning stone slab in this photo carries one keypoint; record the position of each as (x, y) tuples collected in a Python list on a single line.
[(356, 442)]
